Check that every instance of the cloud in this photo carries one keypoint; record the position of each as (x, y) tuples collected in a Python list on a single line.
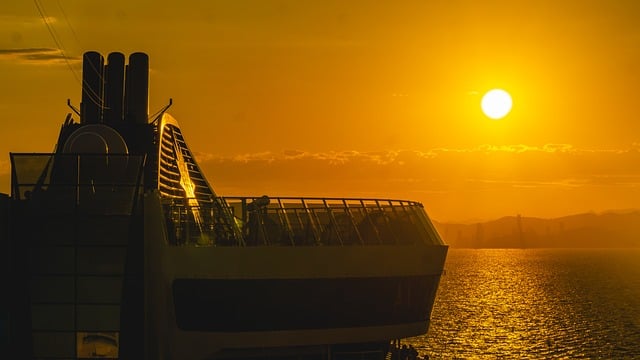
[(484, 167), (566, 183), (514, 148), (486, 181), (36, 56), (390, 157), (18, 21), (24, 51), (329, 157)]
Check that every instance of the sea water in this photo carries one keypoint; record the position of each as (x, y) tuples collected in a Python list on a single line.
[(536, 304)]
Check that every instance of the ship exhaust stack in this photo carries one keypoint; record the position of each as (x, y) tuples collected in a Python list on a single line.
[(137, 89), (114, 89), (92, 87)]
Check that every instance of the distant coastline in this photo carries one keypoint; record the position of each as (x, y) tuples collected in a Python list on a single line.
[(615, 229)]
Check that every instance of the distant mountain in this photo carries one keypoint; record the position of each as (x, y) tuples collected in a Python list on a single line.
[(590, 230)]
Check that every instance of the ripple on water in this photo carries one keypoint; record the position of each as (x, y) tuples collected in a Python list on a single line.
[(536, 303)]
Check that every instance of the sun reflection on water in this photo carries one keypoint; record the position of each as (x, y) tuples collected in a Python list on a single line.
[(536, 303)]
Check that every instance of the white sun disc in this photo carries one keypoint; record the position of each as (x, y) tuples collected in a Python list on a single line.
[(496, 104)]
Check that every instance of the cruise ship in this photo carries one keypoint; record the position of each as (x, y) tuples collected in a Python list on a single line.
[(115, 246)]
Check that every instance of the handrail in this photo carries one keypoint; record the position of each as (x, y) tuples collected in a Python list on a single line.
[(300, 221), (339, 199)]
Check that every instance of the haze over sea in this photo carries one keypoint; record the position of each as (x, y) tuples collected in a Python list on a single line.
[(536, 304)]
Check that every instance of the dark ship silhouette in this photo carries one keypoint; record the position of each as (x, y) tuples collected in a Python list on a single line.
[(117, 247)]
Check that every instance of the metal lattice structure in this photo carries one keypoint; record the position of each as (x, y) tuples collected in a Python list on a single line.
[(182, 183), (178, 173)]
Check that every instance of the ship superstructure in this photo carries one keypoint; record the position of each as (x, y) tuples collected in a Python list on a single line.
[(118, 247)]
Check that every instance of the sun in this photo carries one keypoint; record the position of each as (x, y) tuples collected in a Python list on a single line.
[(496, 104)]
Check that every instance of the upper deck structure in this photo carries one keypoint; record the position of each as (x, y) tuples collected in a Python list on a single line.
[(118, 247)]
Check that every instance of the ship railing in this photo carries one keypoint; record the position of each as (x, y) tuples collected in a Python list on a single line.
[(90, 184), (299, 221), (200, 222)]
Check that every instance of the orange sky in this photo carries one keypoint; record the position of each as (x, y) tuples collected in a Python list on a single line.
[(362, 98)]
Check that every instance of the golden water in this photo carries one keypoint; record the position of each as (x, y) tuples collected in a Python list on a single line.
[(536, 304)]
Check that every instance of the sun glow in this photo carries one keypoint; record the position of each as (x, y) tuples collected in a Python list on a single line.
[(496, 104)]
